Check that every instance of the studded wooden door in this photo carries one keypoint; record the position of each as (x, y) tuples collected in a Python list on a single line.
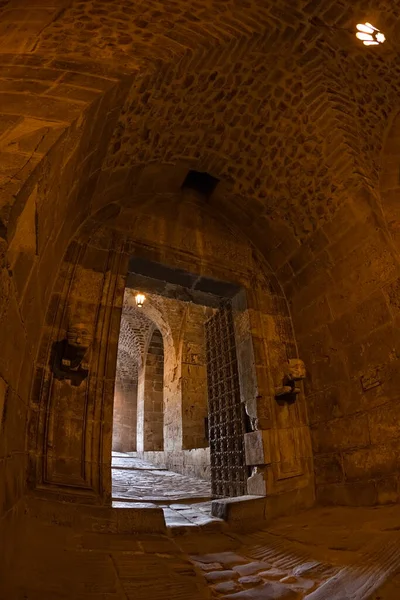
[(226, 419)]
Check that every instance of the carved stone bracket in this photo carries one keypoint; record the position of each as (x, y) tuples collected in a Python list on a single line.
[(68, 356), (294, 371)]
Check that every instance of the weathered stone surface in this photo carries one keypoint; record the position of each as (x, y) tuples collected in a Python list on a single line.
[(250, 581), (226, 587), (104, 110), (328, 469), (3, 397), (268, 591), (217, 576), (342, 434), (241, 509), (250, 568), (273, 573), (209, 566), (227, 559), (257, 448)]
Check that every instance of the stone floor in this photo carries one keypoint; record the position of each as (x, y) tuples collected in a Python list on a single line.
[(337, 554), (186, 501), (321, 554)]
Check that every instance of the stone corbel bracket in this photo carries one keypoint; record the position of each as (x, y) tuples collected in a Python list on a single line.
[(70, 356), (294, 371)]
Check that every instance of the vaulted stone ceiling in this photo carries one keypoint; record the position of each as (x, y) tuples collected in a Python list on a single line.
[(134, 332), (136, 329), (105, 106), (278, 98)]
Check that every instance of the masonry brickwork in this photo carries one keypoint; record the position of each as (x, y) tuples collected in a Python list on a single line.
[(102, 113)]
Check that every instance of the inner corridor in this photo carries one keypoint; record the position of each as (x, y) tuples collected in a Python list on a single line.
[(186, 501), (199, 300)]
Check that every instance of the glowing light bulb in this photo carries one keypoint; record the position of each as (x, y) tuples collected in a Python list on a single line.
[(367, 28), (140, 298), (369, 35), (364, 36)]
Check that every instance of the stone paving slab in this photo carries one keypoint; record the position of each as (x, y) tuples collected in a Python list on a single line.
[(185, 500), (197, 565), (54, 562), (143, 481), (134, 464)]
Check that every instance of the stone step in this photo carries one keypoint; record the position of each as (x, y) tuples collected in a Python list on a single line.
[(160, 501), (242, 512)]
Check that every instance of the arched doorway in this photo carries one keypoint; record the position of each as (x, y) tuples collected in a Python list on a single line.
[(182, 233)]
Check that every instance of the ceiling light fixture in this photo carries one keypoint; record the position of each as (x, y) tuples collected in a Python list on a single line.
[(369, 35), (140, 298)]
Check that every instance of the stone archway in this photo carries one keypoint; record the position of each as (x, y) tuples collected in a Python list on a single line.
[(74, 108), (281, 461), (134, 331)]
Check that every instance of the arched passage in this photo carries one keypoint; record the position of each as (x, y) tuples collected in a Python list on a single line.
[(194, 238), (283, 157), (134, 331)]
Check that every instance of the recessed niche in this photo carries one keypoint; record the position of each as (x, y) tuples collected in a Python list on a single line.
[(202, 183)]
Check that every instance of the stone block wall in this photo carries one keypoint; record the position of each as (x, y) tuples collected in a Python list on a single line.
[(277, 445), (292, 136), (93, 274), (195, 463), (184, 388), (343, 287), (287, 472), (125, 416), (50, 114), (194, 379)]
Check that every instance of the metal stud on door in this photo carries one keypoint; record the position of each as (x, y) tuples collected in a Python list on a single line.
[(226, 417)]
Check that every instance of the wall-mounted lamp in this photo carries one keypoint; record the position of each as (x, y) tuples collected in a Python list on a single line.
[(369, 35), (140, 298)]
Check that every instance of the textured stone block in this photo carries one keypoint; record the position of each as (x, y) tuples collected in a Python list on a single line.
[(218, 576), (227, 587), (3, 395), (384, 422), (251, 568), (257, 484), (268, 591), (258, 447), (341, 434), (377, 461), (368, 315), (328, 469), (349, 494), (240, 509)]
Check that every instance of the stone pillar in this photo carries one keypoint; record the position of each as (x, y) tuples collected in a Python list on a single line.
[(72, 401), (278, 441), (125, 416), (194, 380), (150, 425), (140, 412)]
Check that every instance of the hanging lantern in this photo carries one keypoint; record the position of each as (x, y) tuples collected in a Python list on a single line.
[(369, 35), (140, 298)]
